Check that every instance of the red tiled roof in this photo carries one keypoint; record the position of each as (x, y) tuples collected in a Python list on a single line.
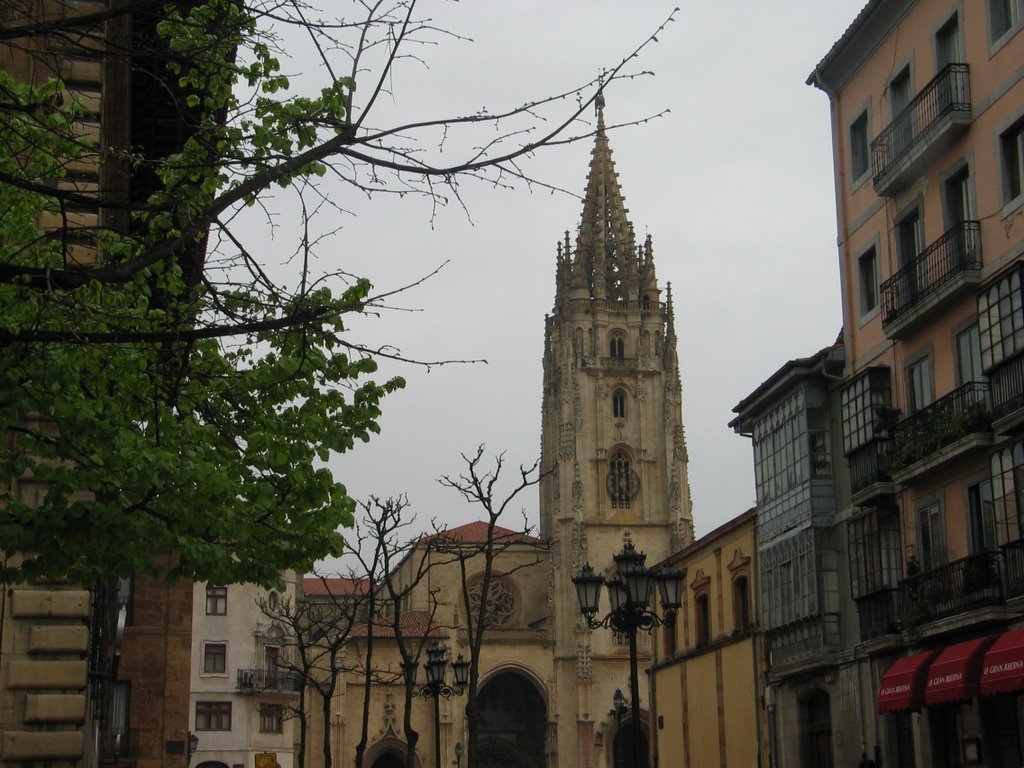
[(314, 586), (476, 533), (411, 624)]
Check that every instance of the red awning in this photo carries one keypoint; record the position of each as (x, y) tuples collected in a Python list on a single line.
[(902, 685), (956, 672), (1003, 670)]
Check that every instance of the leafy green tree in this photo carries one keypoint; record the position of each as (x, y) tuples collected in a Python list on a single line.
[(159, 389)]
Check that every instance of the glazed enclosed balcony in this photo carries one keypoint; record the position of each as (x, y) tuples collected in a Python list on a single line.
[(947, 429), (943, 270), (268, 681), (966, 584), (929, 123)]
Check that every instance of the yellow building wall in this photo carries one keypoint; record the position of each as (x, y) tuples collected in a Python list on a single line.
[(707, 695)]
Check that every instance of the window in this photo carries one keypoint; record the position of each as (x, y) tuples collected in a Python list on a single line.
[(1012, 145), (867, 278), (618, 404), (622, 483), (216, 601), (215, 658), (981, 516), (617, 346), (702, 619), (1008, 492), (899, 92), (874, 551), (741, 602), (909, 238), (1003, 16), (213, 715), (919, 384), (968, 356), (865, 402), (1001, 320), (958, 197), (271, 718), (947, 44), (931, 536), (859, 158)]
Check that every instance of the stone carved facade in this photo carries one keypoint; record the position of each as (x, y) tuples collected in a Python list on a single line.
[(614, 454)]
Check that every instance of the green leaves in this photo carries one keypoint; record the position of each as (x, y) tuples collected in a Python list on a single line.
[(163, 441)]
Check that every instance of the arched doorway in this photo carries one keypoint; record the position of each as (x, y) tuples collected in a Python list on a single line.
[(389, 760), (622, 746), (513, 723), (211, 764)]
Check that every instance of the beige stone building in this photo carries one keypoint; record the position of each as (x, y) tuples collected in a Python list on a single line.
[(614, 447), (243, 691)]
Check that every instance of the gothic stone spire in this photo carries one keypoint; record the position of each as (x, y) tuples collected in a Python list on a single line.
[(606, 259)]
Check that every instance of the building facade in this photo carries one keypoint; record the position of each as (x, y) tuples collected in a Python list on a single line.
[(243, 689), (615, 469), (927, 105), (89, 673), (708, 668), (807, 617)]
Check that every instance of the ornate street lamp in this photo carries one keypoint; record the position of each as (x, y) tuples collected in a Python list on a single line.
[(619, 710), (436, 687), (629, 595)]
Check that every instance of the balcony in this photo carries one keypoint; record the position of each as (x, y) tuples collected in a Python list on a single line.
[(117, 744), (944, 269), (805, 642), (269, 681), (881, 613), (1006, 384), (936, 116), (869, 472), (947, 429), (964, 585)]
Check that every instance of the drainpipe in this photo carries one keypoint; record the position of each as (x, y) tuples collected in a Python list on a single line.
[(772, 731)]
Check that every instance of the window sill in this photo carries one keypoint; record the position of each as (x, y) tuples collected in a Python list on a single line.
[(1012, 207), (1000, 42)]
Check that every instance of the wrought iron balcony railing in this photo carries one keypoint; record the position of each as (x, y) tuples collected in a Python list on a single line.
[(869, 464), (1006, 384), (881, 613), (269, 680), (962, 412), (1013, 557), (935, 268), (963, 585), (948, 93)]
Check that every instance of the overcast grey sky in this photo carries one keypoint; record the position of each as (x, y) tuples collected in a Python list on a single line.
[(734, 185)]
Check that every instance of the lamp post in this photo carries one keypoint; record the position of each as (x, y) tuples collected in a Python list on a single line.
[(459, 752), (437, 660), (630, 594)]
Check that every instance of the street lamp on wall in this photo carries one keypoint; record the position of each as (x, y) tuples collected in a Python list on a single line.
[(436, 687), (629, 595)]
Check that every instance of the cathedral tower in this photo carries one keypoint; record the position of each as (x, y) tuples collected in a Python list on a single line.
[(612, 438)]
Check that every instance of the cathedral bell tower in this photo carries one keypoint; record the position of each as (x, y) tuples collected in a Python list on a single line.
[(612, 437)]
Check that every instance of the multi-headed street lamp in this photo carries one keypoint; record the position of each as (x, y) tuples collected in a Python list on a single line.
[(630, 593), (436, 687)]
